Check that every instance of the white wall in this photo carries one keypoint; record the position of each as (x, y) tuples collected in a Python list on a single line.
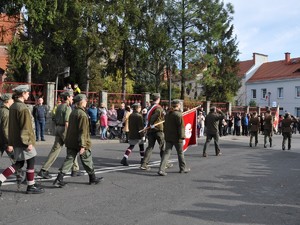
[(288, 103)]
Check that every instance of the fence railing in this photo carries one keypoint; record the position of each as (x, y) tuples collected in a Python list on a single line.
[(37, 90)]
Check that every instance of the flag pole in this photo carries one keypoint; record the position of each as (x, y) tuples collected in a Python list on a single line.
[(156, 124)]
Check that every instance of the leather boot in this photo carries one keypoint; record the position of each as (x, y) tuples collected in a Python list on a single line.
[(124, 162), (59, 181), (94, 179), (0, 188)]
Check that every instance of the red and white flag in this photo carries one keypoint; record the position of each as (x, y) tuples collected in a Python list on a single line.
[(190, 125), (276, 119)]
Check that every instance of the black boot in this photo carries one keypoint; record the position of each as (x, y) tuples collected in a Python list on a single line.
[(94, 179), (0, 188), (34, 189), (59, 181), (124, 162)]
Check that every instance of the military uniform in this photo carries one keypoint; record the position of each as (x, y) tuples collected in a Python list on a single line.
[(174, 135), (212, 130), (268, 129), (22, 138), (77, 137), (135, 124), (254, 128), (4, 117), (155, 133), (62, 114), (287, 130)]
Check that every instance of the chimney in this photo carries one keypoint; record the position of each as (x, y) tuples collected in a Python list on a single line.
[(287, 57)]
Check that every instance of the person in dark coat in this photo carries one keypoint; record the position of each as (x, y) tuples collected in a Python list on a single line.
[(78, 140), (39, 114), (135, 124), (212, 129), (287, 130), (174, 136), (254, 124), (268, 128)]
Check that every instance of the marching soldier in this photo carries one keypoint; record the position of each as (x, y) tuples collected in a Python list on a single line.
[(254, 128), (155, 133), (78, 140), (212, 126), (268, 128), (4, 118), (62, 114), (174, 136), (135, 123), (287, 130), (21, 139)]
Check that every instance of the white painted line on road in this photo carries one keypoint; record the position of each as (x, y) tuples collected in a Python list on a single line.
[(97, 171)]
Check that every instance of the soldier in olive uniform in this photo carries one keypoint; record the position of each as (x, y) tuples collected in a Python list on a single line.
[(135, 124), (254, 124), (155, 133), (287, 129), (78, 140), (268, 128), (4, 117), (62, 114), (212, 129), (21, 139), (174, 135)]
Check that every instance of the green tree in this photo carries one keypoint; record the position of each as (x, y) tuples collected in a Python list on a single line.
[(220, 81)]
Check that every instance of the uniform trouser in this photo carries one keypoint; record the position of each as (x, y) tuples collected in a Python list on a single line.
[(56, 148), (86, 160), (255, 135), (152, 138), (167, 153), (287, 136), (267, 134), (209, 137)]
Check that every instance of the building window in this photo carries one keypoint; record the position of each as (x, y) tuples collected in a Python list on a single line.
[(253, 93), (280, 92), (298, 92), (297, 109), (263, 93)]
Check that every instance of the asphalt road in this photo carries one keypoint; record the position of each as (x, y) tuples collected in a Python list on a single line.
[(242, 186)]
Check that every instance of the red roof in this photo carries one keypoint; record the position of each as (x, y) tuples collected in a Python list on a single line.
[(277, 70), (244, 67)]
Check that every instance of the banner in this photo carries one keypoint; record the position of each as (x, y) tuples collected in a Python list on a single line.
[(190, 125), (276, 119)]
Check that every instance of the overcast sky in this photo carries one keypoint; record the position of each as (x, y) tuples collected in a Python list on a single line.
[(270, 27)]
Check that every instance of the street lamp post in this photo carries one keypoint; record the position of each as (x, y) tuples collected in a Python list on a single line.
[(66, 73)]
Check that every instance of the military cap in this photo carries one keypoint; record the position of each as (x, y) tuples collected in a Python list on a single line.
[(175, 102), (136, 105), (155, 96), (79, 98), (66, 94), (22, 88), (212, 109), (5, 97), (287, 114)]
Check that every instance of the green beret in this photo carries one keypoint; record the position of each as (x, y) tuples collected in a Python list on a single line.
[(155, 96), (136, 105), (5, 97), (66, 94), (79, 98), (175, 102), (22, 88)]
